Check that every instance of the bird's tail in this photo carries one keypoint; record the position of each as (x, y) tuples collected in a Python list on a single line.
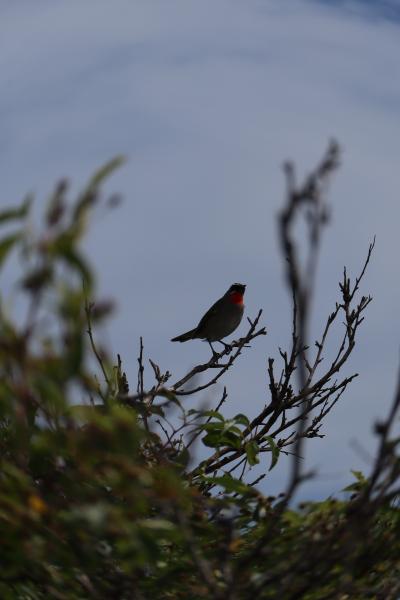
[(189, 335)]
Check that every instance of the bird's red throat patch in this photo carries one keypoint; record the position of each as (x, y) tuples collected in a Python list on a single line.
[(236, 298)]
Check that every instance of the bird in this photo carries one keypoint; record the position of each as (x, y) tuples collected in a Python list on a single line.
[(220, 320)]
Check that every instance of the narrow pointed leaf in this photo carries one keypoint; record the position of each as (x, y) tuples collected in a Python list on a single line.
[(6, 245)]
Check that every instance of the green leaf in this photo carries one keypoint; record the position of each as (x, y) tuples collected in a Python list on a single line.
[(77, 262), (361, 481), (106, 170), (273, 449), (252, 450), (224, 433), (212, 440), (88, 196), (37, 279), (241, 419), (359, 476), (230, 426), (6, 245), (183, 458), (212, 427), (229, 438), (233, 485), (57, 206), (230, 484), (212, 414), (217, 438), (10, 214)]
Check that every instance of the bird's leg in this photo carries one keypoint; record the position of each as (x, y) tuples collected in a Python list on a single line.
[(227, 347), (212, 349)]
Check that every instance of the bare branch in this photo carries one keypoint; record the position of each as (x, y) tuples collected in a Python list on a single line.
[(213, 363), (88, 310)]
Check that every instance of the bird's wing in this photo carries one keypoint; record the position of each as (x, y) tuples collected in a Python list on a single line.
[(211, 311)]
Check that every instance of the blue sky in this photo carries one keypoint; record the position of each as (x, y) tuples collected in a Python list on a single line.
[(375, 9), (207, 99)]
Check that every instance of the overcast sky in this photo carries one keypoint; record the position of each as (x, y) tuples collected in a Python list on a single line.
[(206, 99)]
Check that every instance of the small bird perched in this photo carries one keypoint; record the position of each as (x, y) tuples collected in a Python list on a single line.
[(220, 320)]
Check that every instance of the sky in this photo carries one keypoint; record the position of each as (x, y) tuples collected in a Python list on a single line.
[(207, 100)]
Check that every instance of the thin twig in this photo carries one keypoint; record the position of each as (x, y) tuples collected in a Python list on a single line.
[(88, 309)]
